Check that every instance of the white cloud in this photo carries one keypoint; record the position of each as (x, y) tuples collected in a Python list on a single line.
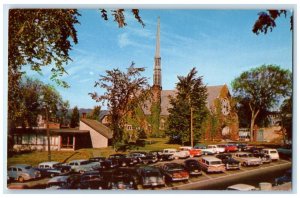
[(123, 40)]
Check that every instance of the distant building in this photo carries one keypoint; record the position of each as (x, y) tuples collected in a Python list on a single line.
[(91, 134)]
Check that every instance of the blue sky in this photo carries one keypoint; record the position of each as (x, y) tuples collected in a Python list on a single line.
[(219, 43)]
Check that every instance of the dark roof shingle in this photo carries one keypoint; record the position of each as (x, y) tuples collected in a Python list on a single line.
[(99, 127)]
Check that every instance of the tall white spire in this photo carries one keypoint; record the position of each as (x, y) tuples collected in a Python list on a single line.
[(157, 68)]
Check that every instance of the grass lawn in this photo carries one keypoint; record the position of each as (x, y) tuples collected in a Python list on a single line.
[(36, 157)]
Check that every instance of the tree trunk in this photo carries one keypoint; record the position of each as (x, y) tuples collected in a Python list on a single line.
[(253, 118)]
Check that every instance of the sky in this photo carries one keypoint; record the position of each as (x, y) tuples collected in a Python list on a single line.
[(219, 43)]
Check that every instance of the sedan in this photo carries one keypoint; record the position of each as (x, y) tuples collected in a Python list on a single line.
[(193, 167), (151, 176), (22, 172), (175, 172), (230, 163)]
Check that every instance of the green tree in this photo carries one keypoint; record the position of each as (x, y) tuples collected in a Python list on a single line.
[(43, 37), (124, 91), (75, 118), (95, 113), (263, 88), (188, 105), (286, 111)]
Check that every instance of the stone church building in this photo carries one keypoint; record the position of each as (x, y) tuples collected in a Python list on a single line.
[(222, 123)]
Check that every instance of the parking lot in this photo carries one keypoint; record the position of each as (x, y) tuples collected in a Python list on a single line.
[(193, 182)]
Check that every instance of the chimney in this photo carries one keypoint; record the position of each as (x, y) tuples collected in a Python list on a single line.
[(83, 114)]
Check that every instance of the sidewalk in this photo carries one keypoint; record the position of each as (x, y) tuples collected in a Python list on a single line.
[(283, 187)]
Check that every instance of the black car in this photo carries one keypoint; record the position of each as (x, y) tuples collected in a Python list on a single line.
[(287, 177), (230, 163), (265, 158), (151, 176), (146, 158), (92, 180), (97, 159), (162, 157), (123, 160), (123, 178), (52, 169), (193, 167)]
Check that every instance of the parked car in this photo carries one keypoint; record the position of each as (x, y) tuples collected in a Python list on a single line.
[(51, 169), (272, 152), (193, 152), (22, 172), (97, 159), (151, 176), (123, 160), (247, 159), (287, 177), (230, 163), (211, 164), (205, 150), (177, 154), (109, 164), (231, 148), (175, 172), (221, 148), (123, 178), (265, 158), (63, 182), (193, 167), (92, 180), (215, 148), (285, 151), (241, 146), (82, 166), (241, 187), (162, 156), (144, 157)]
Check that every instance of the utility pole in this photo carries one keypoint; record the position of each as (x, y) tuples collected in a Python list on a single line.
[(192, 132), (48, 134)]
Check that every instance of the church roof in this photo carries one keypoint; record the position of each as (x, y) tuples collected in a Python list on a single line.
[(213, 92)]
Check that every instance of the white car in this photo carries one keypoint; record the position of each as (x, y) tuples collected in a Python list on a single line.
[(177, 154), (82, 166), (247, 159), (241, 187), (273, 153)]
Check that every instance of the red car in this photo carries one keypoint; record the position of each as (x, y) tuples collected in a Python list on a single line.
[(231, 148)]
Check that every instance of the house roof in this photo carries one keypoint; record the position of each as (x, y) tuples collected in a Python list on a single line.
[(98, 126)]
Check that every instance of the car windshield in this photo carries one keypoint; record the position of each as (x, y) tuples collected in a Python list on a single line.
[(215, 162), (273, 151), (152, 174), (84, 162), (192, 163), (28, 167)]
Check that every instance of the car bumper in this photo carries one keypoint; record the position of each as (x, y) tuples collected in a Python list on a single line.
[(179, 179)]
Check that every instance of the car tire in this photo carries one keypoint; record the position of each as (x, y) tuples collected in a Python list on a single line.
[(20, 179), (244, 164), (205, 153)]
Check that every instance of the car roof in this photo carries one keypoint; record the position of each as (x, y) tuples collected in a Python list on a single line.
[(210, 158), (242, 187), (52, 163), (20, 165), (80, 160), (58, 179)]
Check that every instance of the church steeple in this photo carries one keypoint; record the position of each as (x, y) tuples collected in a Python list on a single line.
[(157, 59)]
